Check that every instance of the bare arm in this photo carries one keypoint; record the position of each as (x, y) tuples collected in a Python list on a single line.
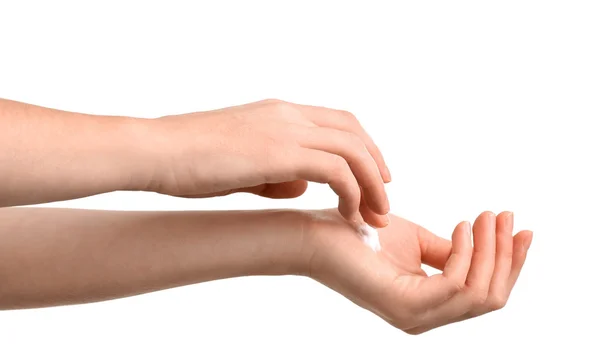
[(54, 257), (49, 155), (270, 148), (58, 256)]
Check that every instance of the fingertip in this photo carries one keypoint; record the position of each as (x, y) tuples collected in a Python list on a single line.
[(523, 239), (505, 221), (486, 218), (488, 214), (285, 190), (467, 228), (523, 234), (461, 237), (379, 203), (373, 219), (464, 226), (387, 175), (299, 188), (382, 221), (528, 239)]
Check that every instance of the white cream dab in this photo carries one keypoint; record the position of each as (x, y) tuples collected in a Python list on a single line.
[(369, 236)]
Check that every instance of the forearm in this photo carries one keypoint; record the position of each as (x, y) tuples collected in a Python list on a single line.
[(51, 155), (54, 257)]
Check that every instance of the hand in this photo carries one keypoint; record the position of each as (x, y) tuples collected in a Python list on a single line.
[(391, 283), (270, 148)]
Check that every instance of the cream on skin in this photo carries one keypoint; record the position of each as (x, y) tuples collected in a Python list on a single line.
[(369, 236)]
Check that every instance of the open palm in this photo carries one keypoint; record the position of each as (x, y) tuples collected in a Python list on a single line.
[(477, 275)]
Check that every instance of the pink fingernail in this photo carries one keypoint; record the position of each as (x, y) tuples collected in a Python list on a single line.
[(527, 242), (510, 220)]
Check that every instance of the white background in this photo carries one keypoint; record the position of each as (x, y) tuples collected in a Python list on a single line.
[(475, 105)]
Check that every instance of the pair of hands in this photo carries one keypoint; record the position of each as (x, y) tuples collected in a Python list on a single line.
[(480, 267), (270, 148)]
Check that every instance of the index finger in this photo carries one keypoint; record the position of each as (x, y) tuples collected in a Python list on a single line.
[(439, 288), (346, 121)]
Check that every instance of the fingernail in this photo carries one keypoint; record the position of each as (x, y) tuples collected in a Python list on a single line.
[(510, 220), (468, 229), (386, 219), (388, 174), (387, 205), (527, 242)]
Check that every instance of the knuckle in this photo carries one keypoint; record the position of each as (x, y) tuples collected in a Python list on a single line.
[(402, 322), (478, 297), (456, 286), (413, 307), (414, 331), (339, 167), (356, 146), (356, 142), (284, 110), (496, 302), (348, 116), (272, 101), (281, 105)]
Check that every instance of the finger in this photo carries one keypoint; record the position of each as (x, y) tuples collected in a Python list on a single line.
[(474, 293), (435, 250), (459, 261), (351, 147), (521, 244), (438, 288), (484, 253), (370, 217), (498, 293), (322, 167), (284, 190), (343, 120)]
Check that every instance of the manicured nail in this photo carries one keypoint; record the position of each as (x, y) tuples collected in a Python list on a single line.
[(468, 229)]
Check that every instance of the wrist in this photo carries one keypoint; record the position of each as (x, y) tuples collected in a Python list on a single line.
[(285, 242), (317, 229), (167, 153), (143, 152), (328, 238)]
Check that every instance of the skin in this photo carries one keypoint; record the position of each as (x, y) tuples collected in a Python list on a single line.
[(51, 257), (270, 148), (480, 266)]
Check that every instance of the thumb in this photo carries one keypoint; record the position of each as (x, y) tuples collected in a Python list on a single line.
[(435, 250), (284, 190)]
